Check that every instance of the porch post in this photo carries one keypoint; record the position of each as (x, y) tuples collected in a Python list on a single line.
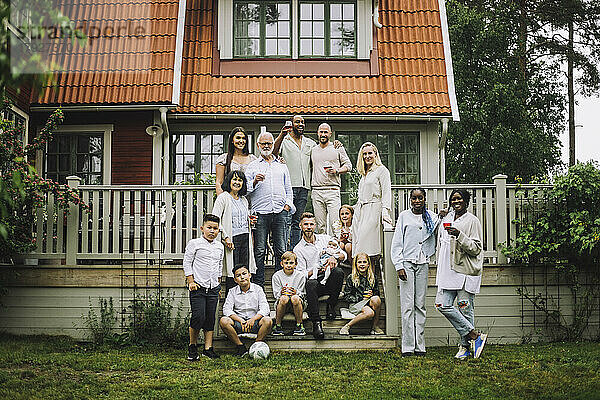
[(72, 231), (501, 223), (390, 285)]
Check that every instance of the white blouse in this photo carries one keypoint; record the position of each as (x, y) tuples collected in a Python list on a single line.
[(239, 217)]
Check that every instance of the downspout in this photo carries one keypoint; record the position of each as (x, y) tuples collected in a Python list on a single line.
[(442, 150), (165, 127), (376, 15)]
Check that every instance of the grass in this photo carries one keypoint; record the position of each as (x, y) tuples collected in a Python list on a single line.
[(59, 368)]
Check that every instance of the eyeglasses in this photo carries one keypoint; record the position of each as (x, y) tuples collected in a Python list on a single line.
[(265, 144)]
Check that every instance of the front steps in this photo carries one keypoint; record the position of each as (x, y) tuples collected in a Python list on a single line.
[(359, 339)]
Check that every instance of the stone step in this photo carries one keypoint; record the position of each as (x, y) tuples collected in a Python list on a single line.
[(309, 344)]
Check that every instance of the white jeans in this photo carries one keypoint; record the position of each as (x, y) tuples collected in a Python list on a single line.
[(326, 205), (412, 306)]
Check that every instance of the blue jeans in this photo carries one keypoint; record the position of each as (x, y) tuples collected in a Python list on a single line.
[(277, 225), (300, 199), (461, 318)]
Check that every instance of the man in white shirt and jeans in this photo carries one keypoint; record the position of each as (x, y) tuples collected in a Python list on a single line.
[(308, 251), (271, 198)]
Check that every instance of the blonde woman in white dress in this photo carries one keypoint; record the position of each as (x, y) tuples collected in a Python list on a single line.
[(374, 206)]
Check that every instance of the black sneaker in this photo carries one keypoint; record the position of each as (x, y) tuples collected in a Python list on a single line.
[(210, 353), (241, 350), (277, 331), (192, 353)]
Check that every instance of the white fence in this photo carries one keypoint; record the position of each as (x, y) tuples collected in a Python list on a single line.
[(157, 221)]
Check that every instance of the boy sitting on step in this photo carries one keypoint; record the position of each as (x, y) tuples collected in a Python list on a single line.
[(246, 310), (288, 290)]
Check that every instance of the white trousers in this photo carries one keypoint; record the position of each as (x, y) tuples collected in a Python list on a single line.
[(326, 205), (412, 306)]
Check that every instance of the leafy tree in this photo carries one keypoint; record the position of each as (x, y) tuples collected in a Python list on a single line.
[(510, 121), (566, 32)]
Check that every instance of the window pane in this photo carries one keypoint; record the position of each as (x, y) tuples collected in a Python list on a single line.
[(400, 146), (64, 163), (188, 164), (283, 46), (271, 29), (95, 180), (318, 29), (179, 163), (318, 47), (305, 29), (318, 12), (190, 143), (284, 11), (64, 145), (336, 11), (83, 163), (306, 11), (95, 144), (411, 143), (205, 143), (205, 164), (305, 47), (336, 29), (51, 163), (348, 11), (96, 164), (271, 47), (283, 29), (83, 144), (217, 147), (336, 47)]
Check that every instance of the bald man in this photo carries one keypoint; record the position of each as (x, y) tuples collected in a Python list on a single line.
[(328, 163), (271, 197)]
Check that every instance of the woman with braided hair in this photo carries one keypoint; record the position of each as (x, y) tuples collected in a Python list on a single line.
[(413, 244)]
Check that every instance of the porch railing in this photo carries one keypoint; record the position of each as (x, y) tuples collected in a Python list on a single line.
[(156, 222)]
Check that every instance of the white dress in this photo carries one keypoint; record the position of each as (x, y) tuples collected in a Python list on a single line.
[(372, 211)]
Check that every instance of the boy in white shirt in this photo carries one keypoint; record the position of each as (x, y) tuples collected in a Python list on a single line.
[(288, 290), (203, 266), (246, 310)]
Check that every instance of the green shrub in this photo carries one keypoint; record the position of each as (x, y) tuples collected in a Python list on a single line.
[(562, 228), (102, 327)]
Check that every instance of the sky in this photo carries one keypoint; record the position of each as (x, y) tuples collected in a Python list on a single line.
[(587, 131)]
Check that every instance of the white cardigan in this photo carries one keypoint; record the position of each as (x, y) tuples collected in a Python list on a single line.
[(222, 209)]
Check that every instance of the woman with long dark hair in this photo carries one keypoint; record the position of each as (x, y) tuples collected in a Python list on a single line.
[(231, 207), (237, 157)]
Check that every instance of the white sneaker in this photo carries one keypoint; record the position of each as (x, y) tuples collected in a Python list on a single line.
[(345, 330), (377, 331), (463, 353)]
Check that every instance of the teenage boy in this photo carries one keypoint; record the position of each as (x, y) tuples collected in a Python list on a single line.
[(203, 265), (288, 290), (246, 310)]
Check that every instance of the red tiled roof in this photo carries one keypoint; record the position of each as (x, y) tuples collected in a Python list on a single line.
[(412, 71), (136, 67), (411, 80)]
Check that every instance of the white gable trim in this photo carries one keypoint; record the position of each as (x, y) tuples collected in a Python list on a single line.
[(448, 61), (178, 52)]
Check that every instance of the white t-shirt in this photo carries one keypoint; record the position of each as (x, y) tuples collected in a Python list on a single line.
[(239, 217)]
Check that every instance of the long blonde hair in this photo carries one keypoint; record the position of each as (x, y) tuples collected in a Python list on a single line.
[(360, 162), (356, 274)]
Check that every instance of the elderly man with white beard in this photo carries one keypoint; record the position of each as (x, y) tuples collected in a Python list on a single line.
[(271, 198)]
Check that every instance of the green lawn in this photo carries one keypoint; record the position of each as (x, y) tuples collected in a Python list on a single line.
[(57, 368)]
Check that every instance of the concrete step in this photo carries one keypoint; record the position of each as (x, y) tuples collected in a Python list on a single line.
[(309, 344)]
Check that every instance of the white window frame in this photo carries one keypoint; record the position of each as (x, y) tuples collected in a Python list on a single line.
[(106, 130), (364, 29), (23, 115)]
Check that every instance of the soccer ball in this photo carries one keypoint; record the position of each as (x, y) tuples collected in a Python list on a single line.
[(259, 350)]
